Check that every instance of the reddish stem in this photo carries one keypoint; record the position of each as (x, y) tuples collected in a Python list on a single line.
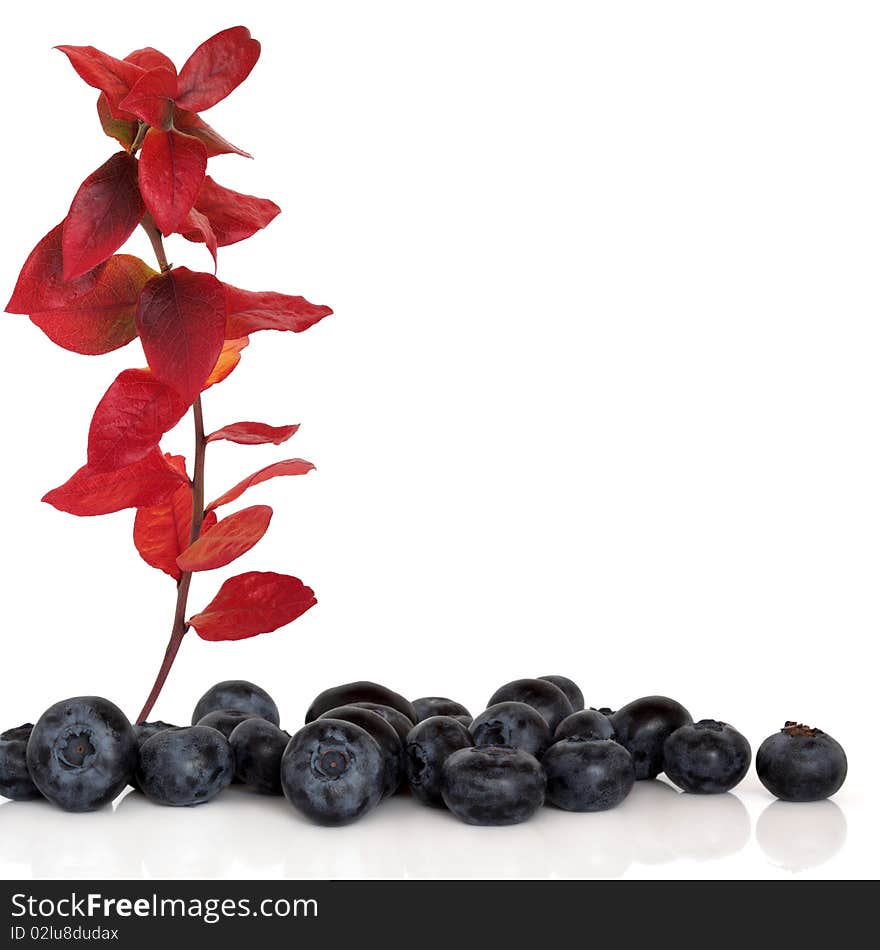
[(179, 626)]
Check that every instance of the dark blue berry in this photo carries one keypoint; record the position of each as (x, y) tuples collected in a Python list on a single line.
[(401, 723), (237, 694), (225, 720), (429, 706), (15, 780), (800, 764), (466, 721), (428, 746), (333, 771), (587, 724), (588, 774), (512, 724), (493, 786), (258, 746), (385, 735), (146, 730), (82, 753), (185, 766), (569, 687), (706, 757), (643, 726), (361, 692), (544, 696)]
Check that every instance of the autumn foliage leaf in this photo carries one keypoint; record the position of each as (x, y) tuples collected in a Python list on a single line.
[(105, 210), (248, 311), (92, 314), (162, 532), (123, 130), (253, 433), (229, 358), (114, 77), (171, 170), (150, 481), (181, 320), (253, 603), (232, 216), (194, 125), (227, 540), (131, 418), (151, 98), (215, 68), (287, 467)]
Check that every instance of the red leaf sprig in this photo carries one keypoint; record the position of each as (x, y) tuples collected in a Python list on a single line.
[(88, 297)]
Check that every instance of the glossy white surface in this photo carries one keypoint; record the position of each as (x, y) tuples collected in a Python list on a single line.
[(656, 833)]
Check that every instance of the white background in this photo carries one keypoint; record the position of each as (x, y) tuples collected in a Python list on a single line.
[(600, 397)]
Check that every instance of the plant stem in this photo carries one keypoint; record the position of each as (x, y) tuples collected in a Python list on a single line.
[(155, 236), (179, 626)]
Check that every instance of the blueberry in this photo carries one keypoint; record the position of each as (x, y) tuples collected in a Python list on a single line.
[(185, 766), (800, 764), (258, 746), (15, 780), (385, 735), (706, 757), (146, 730), (428, 746), (429, 706), (360, 692), (333, 771), (225, 720), (82, 753), (493, 786), (605, 710), (512, 724), (642, 727), (467, 721), (587, 724), (588, 774), (402, 724), (569, 687), (237, 694), (547, 698)]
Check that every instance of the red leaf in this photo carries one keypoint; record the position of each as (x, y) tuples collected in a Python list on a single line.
[(103, 319), (228, 540), (171, 171), (287, 467), (105, 210), (92, 314), (123, 130), (253, 603), (149, 58), (131, 418), (180, 319), (197, 223), (216, 67), (114, 77), (233, 216), (162, 532), (213, 141), (229, 358), (150, 481), (152, 97), (253, 433), (248, 311)]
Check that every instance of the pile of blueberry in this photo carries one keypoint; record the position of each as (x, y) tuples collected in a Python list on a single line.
[(363, 742)]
